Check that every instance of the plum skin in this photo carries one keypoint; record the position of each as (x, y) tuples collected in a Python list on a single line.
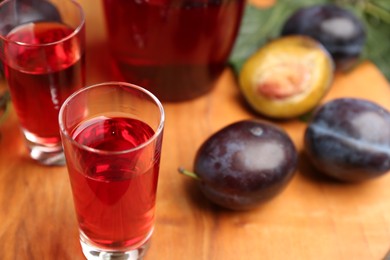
[(339, 30), (30, 11), (349, 139), (245, 164)]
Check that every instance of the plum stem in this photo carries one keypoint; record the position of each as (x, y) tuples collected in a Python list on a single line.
[(189, 173)]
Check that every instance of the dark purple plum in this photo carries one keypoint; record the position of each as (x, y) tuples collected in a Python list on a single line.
[(349, 139), (340, 31), (27, 11), (245, 163)]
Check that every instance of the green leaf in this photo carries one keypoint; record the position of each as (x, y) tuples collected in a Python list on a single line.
[(255, 30), (378, 48), (375, 14)]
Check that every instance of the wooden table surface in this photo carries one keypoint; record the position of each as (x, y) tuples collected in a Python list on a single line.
[(313, 218)]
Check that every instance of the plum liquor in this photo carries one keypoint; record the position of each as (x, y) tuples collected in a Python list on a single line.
[(41, 78), (114, 188), (176, 49)]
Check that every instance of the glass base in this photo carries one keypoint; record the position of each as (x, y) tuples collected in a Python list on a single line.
[(93, 253), (47, 154)]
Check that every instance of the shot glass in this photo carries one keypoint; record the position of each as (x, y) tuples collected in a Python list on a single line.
[(42, 45), (112, 136)]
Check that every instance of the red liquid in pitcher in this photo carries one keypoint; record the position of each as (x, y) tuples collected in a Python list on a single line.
[(41, 78), (115, 194), (176, 49)]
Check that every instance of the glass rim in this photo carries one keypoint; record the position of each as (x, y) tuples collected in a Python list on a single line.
[(67, 37), (156, 134)]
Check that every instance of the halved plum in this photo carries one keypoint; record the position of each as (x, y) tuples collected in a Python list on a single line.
[(287, 77)]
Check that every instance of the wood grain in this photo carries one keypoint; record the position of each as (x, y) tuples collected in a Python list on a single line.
[(313, 218)]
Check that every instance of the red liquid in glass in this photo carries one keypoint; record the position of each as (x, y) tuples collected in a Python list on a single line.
[(176, 49), (114, 194), (41, 78)]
